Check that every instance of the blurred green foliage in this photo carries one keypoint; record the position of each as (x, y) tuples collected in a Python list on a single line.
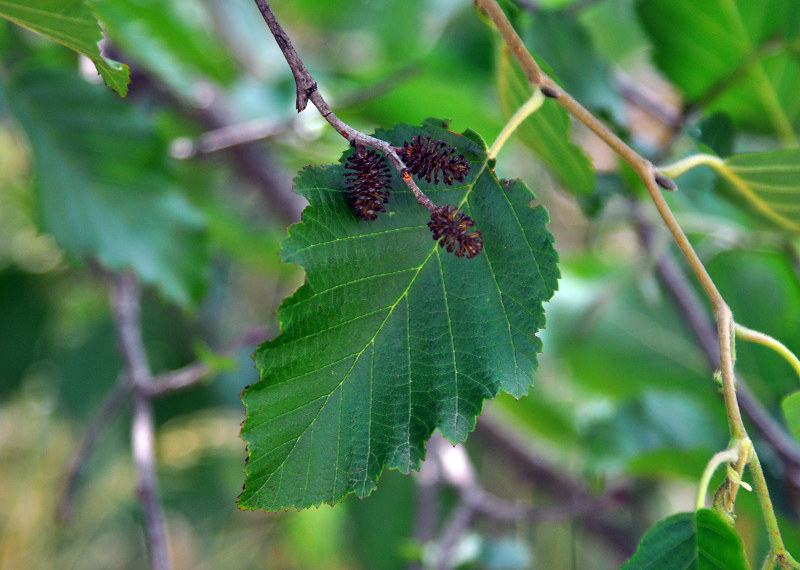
[(624, 399)]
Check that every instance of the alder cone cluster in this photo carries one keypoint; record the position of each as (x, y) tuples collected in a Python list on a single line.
[(452, 229), (369, 180), (367, 176), (428, 157)]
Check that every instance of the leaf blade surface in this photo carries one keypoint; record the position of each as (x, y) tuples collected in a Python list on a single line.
[(700, 540), (392, 337)]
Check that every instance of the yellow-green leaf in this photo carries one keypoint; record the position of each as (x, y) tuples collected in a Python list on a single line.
[(769, 182)]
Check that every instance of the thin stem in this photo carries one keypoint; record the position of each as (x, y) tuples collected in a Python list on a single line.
[(647, 172), (718, 459), (676, 169), (125, 305), (529, 107), (762, 338), (769, 561), (643, 168), (307, 90), (689, 304), (740, 184), (773, 532)]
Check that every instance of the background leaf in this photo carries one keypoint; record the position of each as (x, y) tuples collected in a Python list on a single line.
[(171, 38), (391, 337), (768, 182), (545, 132), (746, 51), (714, 135), (696, 540), (791, 411), (581, 69), (103, 187), (71, 23)]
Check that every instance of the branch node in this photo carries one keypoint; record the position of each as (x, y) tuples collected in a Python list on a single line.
[(550, 92), (665, 181)]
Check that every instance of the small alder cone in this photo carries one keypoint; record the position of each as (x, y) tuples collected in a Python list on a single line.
[(428, 158), (368, 178), (452, 229)]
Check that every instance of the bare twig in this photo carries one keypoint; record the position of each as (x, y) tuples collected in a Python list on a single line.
[(255, 162), (179, 379), (193, 373), (455, 468), (307, 90), (648, 101), (125, 306), (225, 137)]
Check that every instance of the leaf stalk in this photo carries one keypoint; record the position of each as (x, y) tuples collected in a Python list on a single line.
[(761, 338), (526, 110), (718, 459)]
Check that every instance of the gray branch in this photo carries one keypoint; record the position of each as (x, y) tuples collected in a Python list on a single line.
[(307, 90), (126, 310)]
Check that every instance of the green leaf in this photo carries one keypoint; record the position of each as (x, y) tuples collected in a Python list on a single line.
[(102, 185), (392, 337), (628, 39), (714, 134), (545, 132), (791, 411), (170, 38), (768, 182), (698, 540), (70, 23), (749, 67), (581, 69)]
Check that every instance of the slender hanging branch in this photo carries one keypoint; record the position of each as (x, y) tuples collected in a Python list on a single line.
[(689, 304), (649, 176), (652, 179), (307, 90)]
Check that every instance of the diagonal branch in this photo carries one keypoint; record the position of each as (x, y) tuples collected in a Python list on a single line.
[(689, 305), (652, 179), (451, 465), (307, 90)]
